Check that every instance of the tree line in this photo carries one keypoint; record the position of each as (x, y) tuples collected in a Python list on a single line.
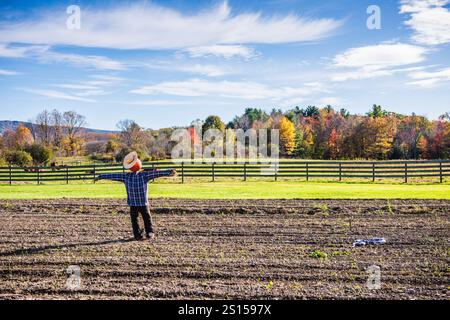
[(326, 133), (307, 133)]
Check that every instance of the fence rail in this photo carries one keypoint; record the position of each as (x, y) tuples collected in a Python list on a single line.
[(437, 170)]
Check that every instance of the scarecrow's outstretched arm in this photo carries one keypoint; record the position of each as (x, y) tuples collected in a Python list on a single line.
[(111, 176), (153, 174)]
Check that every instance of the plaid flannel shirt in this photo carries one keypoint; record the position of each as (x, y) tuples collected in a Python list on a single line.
[(136, 184)]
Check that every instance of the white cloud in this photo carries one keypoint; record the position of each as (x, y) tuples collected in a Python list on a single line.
[(4, 72), (91, 87), (91, 93), (330, 101), (19, 51), (89, 61), (429, 19), (158, 103), (10, 52), (229, 89), (430, 79), (149, 26), (225, 51), (359, 74), (84, 89), (57, 95), (100, 80), (376, 60), (44, 54), (380, 56), (206, 70), (75, 86), (426, 83)]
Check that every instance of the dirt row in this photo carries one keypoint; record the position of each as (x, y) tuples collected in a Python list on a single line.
[(244, 206), (207, 249)]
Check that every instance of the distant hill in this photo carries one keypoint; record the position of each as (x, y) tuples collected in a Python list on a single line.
[(8, 124)]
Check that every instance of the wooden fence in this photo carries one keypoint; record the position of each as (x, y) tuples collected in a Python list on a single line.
[(426, 170)]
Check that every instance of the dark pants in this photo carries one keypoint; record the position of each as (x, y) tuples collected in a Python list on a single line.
[(145, 212)]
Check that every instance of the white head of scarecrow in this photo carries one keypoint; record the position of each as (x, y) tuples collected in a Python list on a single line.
[(132, 162)]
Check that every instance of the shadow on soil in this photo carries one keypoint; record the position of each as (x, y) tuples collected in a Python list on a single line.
[(36, 250)]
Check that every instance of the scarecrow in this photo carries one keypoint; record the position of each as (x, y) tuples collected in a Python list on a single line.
[(136, 184)]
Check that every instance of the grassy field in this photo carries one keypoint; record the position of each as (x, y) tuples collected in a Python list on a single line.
[(233, 190)]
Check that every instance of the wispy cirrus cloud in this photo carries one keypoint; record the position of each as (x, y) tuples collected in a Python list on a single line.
[(208, 70), (140, 26), (330, 101), (376, 60), (430, 79), (430, 20), (103, 80), (223, 51), (158, 103), (57, 95), (230, 89), (380, 56), (96, 85), (75, 86), (7, 51), (88, 61), (4, 72), (204, 69), (44, 54)]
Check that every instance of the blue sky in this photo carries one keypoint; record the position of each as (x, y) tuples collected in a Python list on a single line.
[(166, 63)]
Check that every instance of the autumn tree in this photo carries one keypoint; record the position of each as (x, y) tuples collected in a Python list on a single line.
[(18, 158), (41, 154), (213, 122), (446, 141), (133, 137), (379, 137), (19, 138), (423, 148), (50, 127), (43, 126), (247, 120), (72, 146), (409, 130), (298, 142), (437, 139), (332, 145), (131, 134), (73, 124), (377, 112), (112, 146), (287, 136), (58, 130), (304, 142)]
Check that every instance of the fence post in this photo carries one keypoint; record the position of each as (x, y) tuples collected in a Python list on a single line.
[(245, 171), (93, 172), (38, 175), (440, 171), (10, 175), (276, 171), (373, 171), (67, 175), (340, 171), (213, 177), (182, 171), (153, 171), (307, 171), (406, 172)]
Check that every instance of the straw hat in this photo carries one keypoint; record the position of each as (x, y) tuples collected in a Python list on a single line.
[(132, 162)]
